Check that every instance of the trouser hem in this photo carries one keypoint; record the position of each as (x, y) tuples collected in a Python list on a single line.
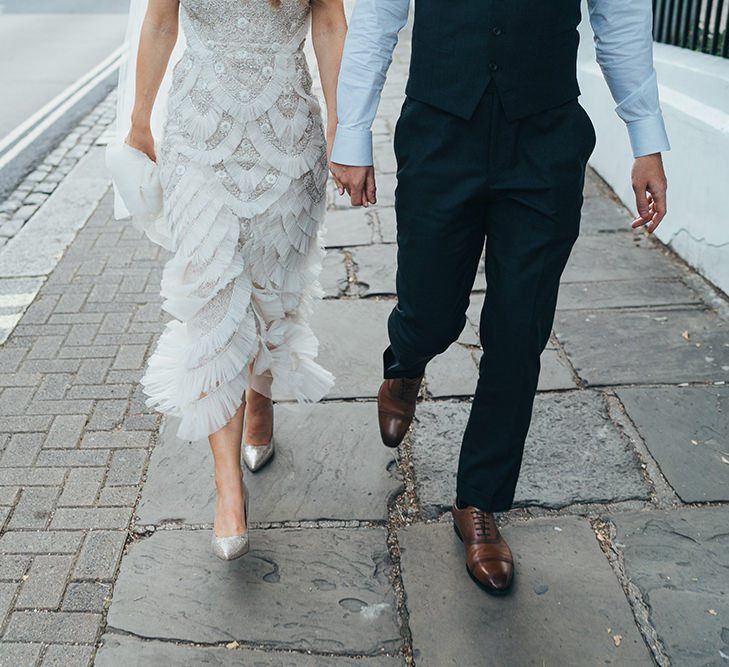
[(394, 370), (470, 497)]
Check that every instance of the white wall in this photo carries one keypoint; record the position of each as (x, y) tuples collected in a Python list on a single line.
[(694, 90)]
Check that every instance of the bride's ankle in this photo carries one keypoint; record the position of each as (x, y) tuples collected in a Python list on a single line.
[(227, 482), (259, 418)]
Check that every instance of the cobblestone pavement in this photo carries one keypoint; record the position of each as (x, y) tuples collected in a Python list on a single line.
[(620, 535)]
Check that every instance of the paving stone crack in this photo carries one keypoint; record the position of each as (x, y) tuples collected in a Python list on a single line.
[(242, 644), (402, 511), (605, 532), (662, 492)]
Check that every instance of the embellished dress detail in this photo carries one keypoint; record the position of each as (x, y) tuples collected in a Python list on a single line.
[(243, 170)]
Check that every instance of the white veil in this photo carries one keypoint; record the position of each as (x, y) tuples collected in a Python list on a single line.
[(127, 86)]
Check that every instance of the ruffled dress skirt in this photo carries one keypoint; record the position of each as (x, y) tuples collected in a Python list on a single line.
[(243, 170)]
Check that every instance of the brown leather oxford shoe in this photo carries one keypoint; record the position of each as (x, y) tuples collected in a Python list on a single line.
[(489, 560), (396, 408)]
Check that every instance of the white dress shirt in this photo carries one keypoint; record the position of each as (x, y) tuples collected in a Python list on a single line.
[(624, 44)]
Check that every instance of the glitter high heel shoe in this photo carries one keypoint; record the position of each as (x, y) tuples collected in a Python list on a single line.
[(257, 456), (234, 546)]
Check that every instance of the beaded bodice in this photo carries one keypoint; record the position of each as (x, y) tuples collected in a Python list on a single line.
[(237, 28)]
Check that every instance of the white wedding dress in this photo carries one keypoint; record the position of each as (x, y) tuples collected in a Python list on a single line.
[(243, 171)]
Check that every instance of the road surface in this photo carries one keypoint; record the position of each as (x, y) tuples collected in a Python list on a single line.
[(45, 46)]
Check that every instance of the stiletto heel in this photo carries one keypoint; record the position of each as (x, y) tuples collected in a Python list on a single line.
[(234, 546)]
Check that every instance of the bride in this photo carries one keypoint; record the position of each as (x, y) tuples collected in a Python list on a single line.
[(242, 164)]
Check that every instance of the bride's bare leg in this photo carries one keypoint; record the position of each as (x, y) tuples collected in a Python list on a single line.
[(259, 418), (225, 445)]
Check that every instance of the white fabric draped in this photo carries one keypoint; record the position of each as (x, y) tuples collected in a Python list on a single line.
[(128, 84)]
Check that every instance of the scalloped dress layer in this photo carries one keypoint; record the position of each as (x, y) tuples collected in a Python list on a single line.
[(243, 170)]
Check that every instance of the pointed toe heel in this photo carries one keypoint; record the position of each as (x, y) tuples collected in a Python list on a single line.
[(233, 546), (257, 456), (230, 548)]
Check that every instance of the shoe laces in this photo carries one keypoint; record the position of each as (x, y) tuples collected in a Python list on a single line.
[(484, 525)]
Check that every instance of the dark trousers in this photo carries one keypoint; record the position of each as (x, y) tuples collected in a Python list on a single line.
[(517, 187)]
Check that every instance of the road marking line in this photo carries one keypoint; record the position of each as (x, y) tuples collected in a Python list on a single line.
[(51, 112), (9, 321), (12, 300)]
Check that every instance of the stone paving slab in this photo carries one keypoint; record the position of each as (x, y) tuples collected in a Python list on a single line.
[(333, 277), (469, 335), (352, 336), (645, 347), (125, 650), (603, 214), (349, 228), (679, 560), (304, 481), (574, 454), (375, 269), (388, 226), (686, 429), (595, 186), (325, 590), (622, 257), (566, 607), (632, 293), (555, 374), (455, 372)]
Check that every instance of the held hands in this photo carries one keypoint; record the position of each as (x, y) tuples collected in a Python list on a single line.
[(649, 185), (358, 182), (141, 138), (331, 134)]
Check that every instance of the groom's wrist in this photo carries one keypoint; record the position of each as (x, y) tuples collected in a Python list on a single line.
[(352, 147), (648, 136)]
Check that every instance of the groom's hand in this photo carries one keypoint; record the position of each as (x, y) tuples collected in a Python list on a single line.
[(358, 182), (649, 185)]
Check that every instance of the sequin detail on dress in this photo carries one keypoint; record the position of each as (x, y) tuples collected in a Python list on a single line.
[(243, 168)]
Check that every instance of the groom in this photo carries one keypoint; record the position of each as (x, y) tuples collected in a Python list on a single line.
[(491, 147)]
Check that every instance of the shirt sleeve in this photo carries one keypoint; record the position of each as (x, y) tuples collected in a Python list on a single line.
[(368, 50), (624, 44)]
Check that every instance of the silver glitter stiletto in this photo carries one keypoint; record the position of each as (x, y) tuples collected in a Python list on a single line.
[(257, 456), (234, 546)]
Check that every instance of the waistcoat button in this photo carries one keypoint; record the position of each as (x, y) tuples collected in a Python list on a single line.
[(493, 67), (496, 31)]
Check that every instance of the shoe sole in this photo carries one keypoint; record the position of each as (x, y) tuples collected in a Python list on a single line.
[(496, 592)]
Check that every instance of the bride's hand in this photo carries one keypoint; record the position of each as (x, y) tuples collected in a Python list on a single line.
[(331, 133), (142, 140)]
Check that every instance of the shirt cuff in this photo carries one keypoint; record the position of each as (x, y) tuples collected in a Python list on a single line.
[(352, 147), (648, 135)]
